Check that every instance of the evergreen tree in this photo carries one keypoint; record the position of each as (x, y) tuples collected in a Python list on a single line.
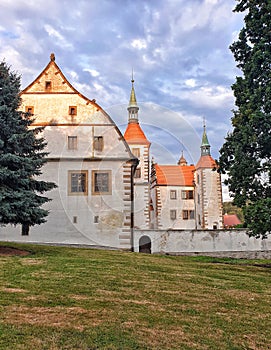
[(246, 153), (21, 159)]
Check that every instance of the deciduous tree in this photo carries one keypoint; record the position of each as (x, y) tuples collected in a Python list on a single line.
[(246, 153)]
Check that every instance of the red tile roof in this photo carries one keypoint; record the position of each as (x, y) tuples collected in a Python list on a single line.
[(135, 135), (175, 175), (231, 220), (206, 162)]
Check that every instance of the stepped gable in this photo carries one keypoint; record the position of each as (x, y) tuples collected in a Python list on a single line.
[(175, 175)]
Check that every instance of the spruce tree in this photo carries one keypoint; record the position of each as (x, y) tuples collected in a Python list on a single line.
[(21, 159), (246, 153)]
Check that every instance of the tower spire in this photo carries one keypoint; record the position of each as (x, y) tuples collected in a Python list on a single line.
[(205, 146), (182, 161), (133, 107)]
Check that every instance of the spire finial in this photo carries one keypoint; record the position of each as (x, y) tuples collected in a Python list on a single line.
[(52, 57), (182, 161), (132, 81), (205, 146), (133, 107)]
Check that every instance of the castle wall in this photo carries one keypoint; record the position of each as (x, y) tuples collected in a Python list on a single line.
[(209, 242)]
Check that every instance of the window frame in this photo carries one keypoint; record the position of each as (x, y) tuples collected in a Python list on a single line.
[(136, 152), (137, 174), (188, 214), (98, 143), (186, 194), (72, 111), (77, 193), (29, 109), (48, 85), (96, 193), (173, 214), (173, 194), (72, 143)]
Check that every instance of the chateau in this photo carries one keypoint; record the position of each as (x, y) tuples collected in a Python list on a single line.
[(107, 186)]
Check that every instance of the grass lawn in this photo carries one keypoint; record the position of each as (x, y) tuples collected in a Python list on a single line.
[(69, 298)]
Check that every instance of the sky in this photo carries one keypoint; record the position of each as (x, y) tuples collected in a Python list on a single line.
[(177, 49)]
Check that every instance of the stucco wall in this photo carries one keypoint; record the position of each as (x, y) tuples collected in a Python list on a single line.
[(205, 241)]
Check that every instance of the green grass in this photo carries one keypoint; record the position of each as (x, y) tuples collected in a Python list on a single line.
[(68, 298)]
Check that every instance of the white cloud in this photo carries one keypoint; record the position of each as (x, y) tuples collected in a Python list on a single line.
[(59, 37), (210, 96), (190, 82), (94, 73), (139, 44)]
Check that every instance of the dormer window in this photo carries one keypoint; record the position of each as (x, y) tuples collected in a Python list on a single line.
[(29, 109), (72, 110), (48, 85)]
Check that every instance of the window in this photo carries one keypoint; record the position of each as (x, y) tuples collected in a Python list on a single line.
[(198, 178), (189, 194), (48, 85), (98, 143), (173, 214), (78, 182), (136, 152), (173, 194), (198, 198), (72, 110), (75, 219), (72, 142), (101, 182), (188, 214), (96, 219), (137, 173), (29, 109)]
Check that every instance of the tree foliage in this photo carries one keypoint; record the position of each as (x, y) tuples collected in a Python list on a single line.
[(21, 158), (246, 153)]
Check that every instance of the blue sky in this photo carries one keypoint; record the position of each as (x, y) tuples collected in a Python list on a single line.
[(178, 49)]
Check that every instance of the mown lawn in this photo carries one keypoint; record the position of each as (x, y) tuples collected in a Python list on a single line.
[(69, 298)]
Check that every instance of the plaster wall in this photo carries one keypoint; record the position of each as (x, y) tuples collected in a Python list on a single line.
[(201, 241), (141, 187), (72, 217), (167, 204)]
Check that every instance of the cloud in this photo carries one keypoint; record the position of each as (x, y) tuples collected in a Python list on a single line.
[(178, 49)]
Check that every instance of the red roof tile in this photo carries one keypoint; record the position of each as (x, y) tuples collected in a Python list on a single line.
[(206, 162), (175, 175), (231, 220), (134, 134)]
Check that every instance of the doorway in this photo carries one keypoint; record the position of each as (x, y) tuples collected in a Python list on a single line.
[(145, 245)]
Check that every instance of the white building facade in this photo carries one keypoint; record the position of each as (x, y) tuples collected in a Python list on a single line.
[(90, 162), (106, 187)]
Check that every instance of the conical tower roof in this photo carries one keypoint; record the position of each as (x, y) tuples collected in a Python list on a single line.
[(182, 161), (132, 102), (206, 160), (134, 134)]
